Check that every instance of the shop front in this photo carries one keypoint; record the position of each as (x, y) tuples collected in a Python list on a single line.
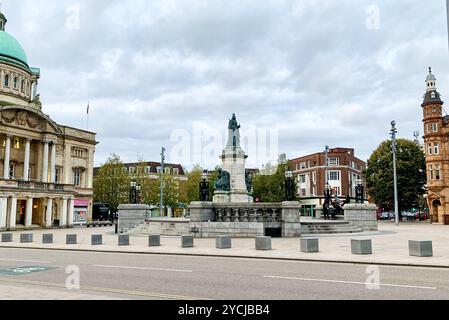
[(81, 208)]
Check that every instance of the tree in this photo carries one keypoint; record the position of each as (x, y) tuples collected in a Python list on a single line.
[(111, 184), (193, 183), (269, 185), (411, 175)]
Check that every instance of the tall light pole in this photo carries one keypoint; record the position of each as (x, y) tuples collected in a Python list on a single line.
[(161, 205), (326, 164), (393, 149), (447, 9)]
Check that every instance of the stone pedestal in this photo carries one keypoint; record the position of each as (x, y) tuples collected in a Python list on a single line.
[(290, 218), (309, 245), (131, 215), (361, 247), (47, 238), (420, 248), (201, 212), (223, 242), (263, 243), (154, 240), (71, 239), (187, 241), (96, 240), (362, 215), (7, 237), (26, 238), (123, 240)]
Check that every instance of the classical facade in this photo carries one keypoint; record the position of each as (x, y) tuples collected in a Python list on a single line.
[(344, 169), (436, 133), (46, 169)]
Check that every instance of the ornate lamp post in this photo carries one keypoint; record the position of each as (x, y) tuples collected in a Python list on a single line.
[(289, 186), (204, 187), (138, 193), (359, 191), (133, 192), (328, 192)]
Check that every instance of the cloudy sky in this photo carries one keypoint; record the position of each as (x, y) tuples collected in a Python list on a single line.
[(298, 74)]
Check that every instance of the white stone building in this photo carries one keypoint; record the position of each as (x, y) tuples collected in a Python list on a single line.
[(46, 169)]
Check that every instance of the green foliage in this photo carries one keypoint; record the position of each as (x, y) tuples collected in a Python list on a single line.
[(269, 185), (111, 184), (411, 175), (193, 183)]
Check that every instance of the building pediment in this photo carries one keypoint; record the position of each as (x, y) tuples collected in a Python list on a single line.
[(28, 118)]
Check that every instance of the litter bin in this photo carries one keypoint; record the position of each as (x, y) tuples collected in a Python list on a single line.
[(446, 219)]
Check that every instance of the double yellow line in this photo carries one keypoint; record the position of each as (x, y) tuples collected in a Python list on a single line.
[(161, 296)]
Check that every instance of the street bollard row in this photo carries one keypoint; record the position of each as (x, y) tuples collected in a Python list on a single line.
[(307, 245)]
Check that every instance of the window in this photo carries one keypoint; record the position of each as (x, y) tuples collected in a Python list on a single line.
[(132, 170), (303, 165), (175, 171), (334, 175), (437, 172), (11, 171), (430, 149), (58, 175), (302, 178), (303, 192), (434, 127), (436, 148), (79, 153), (334, 161), (159, 169), (314, 178), (22, 86), (148, 169), (6, 82), (15, 83), (77, 178), (167, 170), (430, 172), (337, 191)]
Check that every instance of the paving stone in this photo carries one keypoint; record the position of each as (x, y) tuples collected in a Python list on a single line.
[(187, 241), (361, 246), (420, 248), (123, 240), (154, 240), (263, 243), (310, 245), (223, 242)]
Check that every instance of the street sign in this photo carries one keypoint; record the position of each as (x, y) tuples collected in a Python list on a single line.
[(24, 270)]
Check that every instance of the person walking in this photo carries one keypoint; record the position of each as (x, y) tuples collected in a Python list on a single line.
[(326, 210)]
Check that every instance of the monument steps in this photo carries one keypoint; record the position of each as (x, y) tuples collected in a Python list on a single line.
[(329, 227)]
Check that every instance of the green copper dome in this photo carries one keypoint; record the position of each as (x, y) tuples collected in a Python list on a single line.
[(11, 50)]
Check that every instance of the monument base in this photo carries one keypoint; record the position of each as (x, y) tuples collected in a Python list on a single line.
[(232, 197), (221, 197)]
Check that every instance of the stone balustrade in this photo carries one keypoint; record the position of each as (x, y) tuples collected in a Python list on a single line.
[(253, 213), (35, 185)]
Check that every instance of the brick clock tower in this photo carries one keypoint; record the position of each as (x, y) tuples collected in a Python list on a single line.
[(436, 131)]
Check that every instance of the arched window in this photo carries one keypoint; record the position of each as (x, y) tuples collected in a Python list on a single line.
[(6, 82)]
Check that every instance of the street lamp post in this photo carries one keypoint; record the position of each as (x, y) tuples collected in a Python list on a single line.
[(359, 191), (161, 205), (326, 174), (133, 192), (289, 186), (328, 192), (204, 187), (394, 131)]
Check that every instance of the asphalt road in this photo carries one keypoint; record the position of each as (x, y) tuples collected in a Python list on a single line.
[(134, 276)]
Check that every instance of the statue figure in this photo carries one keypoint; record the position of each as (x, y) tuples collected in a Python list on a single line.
[(223, 183), (249, 181), (233, 124)]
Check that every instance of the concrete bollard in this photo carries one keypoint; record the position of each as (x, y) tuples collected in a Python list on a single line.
[(154, 240), (310, 245), (223, 242), (71, 239), (420, 248), (123, 240), (96, 240), (263, 243), (361, 247), (26, 238), (7, 237), (187, 241), (47, 238)]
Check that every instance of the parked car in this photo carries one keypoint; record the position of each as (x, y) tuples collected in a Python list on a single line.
[(384, 216)]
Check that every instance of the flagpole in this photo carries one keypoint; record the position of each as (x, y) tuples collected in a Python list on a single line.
[(88, 106)]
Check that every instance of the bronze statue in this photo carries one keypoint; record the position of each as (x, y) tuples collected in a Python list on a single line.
[(223, 183)]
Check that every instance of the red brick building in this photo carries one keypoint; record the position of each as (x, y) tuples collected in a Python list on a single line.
[(344, 169)]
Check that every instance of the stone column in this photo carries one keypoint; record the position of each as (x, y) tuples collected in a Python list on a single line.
[(71, 208), (3, 212), (26, 162), (45, 163), (63, 220), (7, 157), (291, 219), (53, 163), (29, 213), (13, 214), (48, 214)]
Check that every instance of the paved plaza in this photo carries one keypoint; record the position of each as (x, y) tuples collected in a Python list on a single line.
[(390, 245)]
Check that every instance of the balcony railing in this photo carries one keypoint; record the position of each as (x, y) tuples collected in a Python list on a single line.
[(35, 186)]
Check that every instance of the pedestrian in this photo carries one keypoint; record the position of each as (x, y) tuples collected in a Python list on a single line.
[(326, 210)]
